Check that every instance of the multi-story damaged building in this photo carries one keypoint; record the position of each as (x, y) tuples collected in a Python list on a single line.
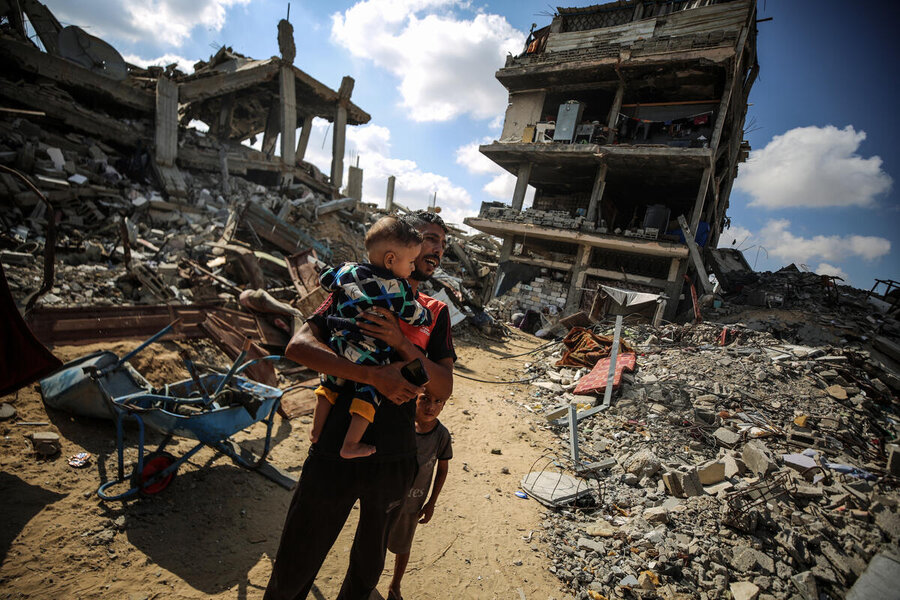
[(622, 116)]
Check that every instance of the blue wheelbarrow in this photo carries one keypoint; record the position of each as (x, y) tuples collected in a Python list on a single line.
[(208, 408)]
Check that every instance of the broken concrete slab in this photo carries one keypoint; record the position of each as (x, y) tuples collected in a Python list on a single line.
[(746, 559), (554, 489), (683, 484), (879, 579), (893, 461), (726, 437), (656, 514), (602, 528), (755, 455), (711, 472)]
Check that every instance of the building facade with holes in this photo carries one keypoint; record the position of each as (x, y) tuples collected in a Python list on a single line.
[(623, 117)]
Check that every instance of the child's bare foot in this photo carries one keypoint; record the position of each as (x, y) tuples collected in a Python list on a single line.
[(356, 450)]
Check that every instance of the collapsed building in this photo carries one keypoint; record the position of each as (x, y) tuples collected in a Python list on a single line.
[(130, 197), (623, 117), (81, 82)]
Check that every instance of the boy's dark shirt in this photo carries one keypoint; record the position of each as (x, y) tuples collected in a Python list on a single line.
[(393, 432)]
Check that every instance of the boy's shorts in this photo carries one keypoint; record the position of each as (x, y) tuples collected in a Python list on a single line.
[(401, 535)]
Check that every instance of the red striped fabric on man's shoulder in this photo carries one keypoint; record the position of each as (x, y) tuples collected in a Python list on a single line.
[(326, 304)]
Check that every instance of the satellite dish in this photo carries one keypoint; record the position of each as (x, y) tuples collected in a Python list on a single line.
[(92, 53)]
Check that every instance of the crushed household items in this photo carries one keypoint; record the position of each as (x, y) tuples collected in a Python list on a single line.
[(756, 456)]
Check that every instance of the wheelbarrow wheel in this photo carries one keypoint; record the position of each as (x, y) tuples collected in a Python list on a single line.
[(154, 463)]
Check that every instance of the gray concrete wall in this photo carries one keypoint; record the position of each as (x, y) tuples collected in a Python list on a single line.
[(524, 109)]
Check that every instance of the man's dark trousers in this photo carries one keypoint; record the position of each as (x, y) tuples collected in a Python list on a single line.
[(327, 490)]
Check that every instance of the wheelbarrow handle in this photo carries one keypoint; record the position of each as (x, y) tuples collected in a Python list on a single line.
[(250, 363), (234, 366), (149, 341)]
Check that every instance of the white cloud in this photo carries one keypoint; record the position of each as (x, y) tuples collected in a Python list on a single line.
[(166, 59), (781, 245), (413, 188), (813, 167), (735, 237), (153, 21), (446, 64), (502, 183), (474, 161), (827, 269)]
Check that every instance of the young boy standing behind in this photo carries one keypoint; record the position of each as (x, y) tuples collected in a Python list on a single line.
[(432, 446), (393, 246)]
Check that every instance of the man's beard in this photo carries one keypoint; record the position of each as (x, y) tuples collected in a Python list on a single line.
[(420, 276)]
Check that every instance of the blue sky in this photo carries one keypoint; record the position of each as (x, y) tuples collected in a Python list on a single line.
[(819, 190)]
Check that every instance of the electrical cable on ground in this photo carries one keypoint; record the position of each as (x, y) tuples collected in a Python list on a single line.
[(458, 374)]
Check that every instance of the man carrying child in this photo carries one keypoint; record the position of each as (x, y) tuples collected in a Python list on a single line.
[(330, 485), (393, 246)]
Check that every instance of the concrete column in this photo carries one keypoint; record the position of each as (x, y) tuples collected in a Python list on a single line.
[(506, 249), (597, 194), (701, 199), (288, 118), (521, 185), (582, 260), (389, 200), (517, 200), (338, 139), (614, 113), (223, 123), (303, 140), (166, 122), (273, 126), (355, 183), (673, 289)]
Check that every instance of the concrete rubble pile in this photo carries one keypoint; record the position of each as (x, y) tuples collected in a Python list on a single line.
[(733, 463), (94, 191), (832, 313), (197, 248), (547, 218), (149, 210)]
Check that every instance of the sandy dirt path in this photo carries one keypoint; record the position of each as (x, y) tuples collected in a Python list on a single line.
[(214, 532)]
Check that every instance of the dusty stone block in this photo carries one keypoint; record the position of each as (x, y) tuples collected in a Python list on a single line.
[(602, 528), (683, 484), (657, 514), (726, 437), (591, 545), (714, 490), (733, 466), (673, 483), (642, 464), (45, 443), (805, 583), (744, 590), (756, 457), (837, 392), (711, 472)]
